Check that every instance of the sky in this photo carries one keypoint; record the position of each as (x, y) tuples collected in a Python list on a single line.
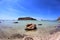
[(39, 9)]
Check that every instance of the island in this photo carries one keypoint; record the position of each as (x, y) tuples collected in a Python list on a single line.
[(26, 18)]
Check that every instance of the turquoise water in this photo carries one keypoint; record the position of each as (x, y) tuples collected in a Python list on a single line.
[(9, 27), (22, 23)]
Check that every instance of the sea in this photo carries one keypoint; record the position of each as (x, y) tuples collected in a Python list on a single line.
[(22, 23)]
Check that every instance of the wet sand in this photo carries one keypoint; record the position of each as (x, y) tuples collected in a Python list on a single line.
[(17, 34)]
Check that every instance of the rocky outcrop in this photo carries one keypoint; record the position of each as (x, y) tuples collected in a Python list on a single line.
[(58, 19), (31, 27), (26, 18)]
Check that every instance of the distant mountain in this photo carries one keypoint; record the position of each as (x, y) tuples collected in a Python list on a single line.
[(26, 18)]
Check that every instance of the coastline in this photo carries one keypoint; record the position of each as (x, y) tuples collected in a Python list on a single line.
[(42, 32)]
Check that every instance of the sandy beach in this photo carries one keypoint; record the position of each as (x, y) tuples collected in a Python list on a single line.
[(16, 31), (14, 34)]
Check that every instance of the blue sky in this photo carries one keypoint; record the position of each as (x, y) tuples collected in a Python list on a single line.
[(39, 9)]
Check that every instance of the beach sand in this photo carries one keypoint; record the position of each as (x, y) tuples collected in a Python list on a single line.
[(17, 34)]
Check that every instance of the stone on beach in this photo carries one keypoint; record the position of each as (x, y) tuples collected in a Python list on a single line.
[(15, 22), (31, 27), (39, 24)]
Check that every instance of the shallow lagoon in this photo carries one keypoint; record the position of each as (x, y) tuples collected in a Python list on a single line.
[(42, 30), (22, 24)]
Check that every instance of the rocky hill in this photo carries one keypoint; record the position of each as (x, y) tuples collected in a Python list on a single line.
[(26, 18), (58, 19)]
